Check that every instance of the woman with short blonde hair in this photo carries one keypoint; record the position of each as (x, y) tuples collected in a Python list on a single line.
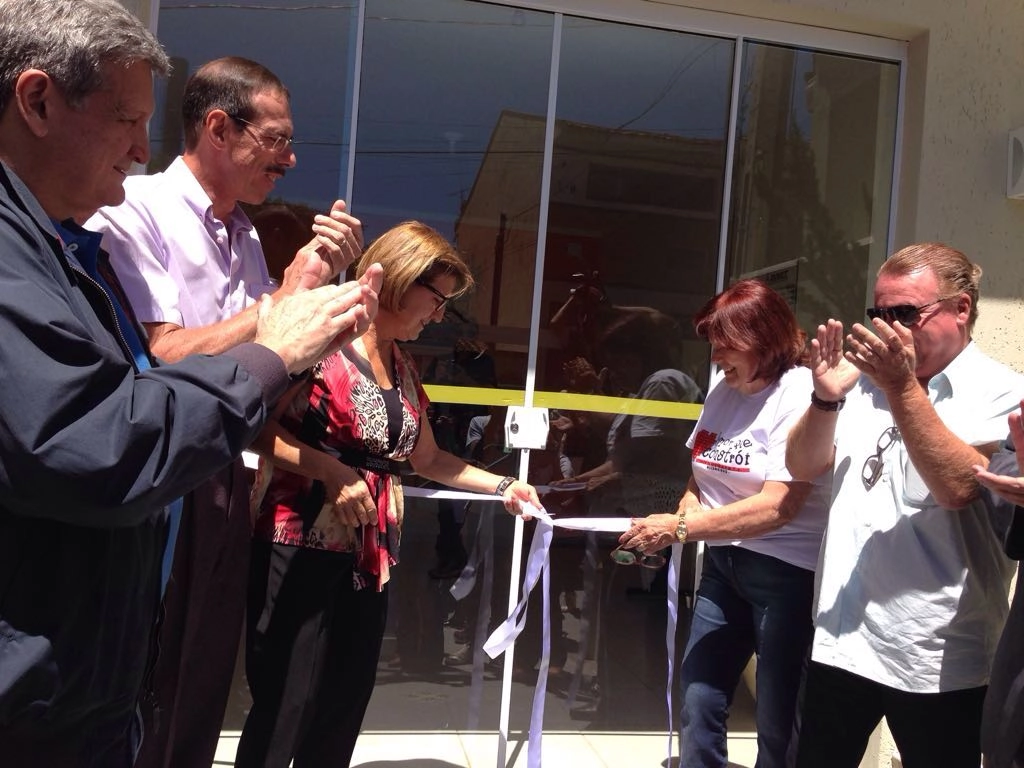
[(329, 525)]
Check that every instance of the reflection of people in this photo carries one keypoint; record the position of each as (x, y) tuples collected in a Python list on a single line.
[(585, 320), (581, 434), (645, 469), (1002, 725), (913, 579), (192, 268), (330, 527), (763, 529), (281, 228), (470, 365), (97, 441)]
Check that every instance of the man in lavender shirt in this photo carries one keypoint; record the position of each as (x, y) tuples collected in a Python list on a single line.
[(193, 269)]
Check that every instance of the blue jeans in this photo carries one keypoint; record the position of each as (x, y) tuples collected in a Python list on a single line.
[(747, 603)]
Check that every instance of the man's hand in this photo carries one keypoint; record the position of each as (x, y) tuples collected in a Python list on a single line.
[(1010, 488), (337, 242), (833, 375), (885, 354), (311, 324), (371, 281)]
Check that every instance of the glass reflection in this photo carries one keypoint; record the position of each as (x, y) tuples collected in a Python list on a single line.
[(636, 188), (451, 123), (631, 248), (321, 93), (320, 98), (451, 132), (812, 180)]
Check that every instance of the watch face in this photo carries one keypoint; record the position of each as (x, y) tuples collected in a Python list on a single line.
[(681, 530)]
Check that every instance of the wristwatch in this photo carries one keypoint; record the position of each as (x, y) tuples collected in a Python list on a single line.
[(827, 405), (681, 527)]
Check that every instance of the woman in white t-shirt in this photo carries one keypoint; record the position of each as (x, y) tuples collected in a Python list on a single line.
[(763, 530)]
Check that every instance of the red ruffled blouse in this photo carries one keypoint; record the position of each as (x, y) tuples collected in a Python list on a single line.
[(343, 411)]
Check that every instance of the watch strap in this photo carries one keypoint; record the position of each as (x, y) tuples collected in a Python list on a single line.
[(827, 405)]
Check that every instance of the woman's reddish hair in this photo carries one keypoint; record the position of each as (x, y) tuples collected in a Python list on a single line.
[(748, 316)]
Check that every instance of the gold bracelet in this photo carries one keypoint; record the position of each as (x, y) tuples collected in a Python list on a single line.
[(681, 527)]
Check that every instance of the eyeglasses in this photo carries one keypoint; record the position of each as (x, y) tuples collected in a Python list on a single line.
[(440, 298), (874, 464), (275, 142), (906, 314), (631, 557)]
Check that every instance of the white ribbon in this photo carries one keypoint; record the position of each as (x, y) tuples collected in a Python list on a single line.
[(537, 569), (479, 562)]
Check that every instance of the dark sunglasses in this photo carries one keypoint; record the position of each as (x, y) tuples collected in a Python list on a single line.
[(442, 300), (906, 314), (631, 557)]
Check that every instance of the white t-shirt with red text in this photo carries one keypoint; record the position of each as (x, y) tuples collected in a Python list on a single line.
[(739, 443)]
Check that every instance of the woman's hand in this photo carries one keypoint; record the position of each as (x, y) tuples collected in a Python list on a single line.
[(650, 534), (348, 496), (518, 493), (594, 478)]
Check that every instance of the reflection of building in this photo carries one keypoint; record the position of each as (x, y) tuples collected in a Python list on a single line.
[(801, 188), (617, 197), (497, 227)]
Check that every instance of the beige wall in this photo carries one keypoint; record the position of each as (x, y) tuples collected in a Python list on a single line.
[(964, 94)]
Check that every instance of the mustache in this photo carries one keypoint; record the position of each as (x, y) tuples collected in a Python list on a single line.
[(283, 170)]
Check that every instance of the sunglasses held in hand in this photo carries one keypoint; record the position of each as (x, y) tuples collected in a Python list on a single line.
[(632, 557)]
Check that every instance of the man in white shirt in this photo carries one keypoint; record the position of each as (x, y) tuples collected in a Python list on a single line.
[(193, 270), (912, 582)]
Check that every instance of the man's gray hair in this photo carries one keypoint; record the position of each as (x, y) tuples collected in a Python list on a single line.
[(71, 40)]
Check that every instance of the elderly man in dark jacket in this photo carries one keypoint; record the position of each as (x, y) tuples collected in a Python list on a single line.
[(1002, 728), (95, 440)]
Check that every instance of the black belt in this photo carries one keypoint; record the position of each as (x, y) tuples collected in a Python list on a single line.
[(379, 464)]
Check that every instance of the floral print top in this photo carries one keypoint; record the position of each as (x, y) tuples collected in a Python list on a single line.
[(343, 411)]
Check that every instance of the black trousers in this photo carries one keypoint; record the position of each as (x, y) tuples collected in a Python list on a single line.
[(312, 646), (184, 699), (840, 710)]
